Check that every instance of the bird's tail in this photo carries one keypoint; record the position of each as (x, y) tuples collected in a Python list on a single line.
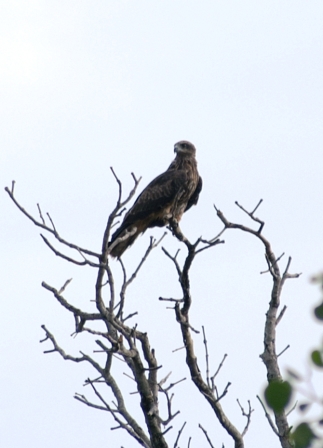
[(126, 238)]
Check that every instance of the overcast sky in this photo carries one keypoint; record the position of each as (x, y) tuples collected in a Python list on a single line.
[(89, 85)]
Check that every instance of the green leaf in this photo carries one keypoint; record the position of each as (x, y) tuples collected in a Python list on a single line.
[(303, 436), (317, 358), (318, 311), (278, 395)]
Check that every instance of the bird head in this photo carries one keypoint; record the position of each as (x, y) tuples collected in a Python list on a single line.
[(184, 148)]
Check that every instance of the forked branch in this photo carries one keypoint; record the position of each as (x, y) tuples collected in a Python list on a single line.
[(115, 338), (269, 356), (206, 388), (44, 226)]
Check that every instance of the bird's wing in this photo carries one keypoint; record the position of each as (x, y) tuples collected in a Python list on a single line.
[(158, 194), (195, 196)]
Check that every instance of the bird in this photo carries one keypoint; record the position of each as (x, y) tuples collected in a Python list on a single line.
[(165, 199)]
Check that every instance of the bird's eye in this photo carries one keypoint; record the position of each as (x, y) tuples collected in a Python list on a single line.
[(184, 145)]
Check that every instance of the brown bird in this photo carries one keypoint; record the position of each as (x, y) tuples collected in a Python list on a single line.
[(167, 197)]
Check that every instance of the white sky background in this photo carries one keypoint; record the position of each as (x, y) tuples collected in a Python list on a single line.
[(89, 85)]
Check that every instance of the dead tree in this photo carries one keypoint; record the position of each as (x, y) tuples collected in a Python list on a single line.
[(119, 341)]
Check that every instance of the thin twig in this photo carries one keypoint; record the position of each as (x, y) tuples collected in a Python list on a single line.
[(65, 286), (206, 435), (178, 435), (271, 423), (281, 314), (163, 299), (292, 409), (48, 229), (247, 415), (250, 214), (178, 349), (217, 371), (225, 391), (65, 257), (283, 351), (206, 358), (41, 215)]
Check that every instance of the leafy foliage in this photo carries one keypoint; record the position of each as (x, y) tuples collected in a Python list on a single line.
[(305, 433), (318, 311), (278, 395), (303, 436), (317, 358)]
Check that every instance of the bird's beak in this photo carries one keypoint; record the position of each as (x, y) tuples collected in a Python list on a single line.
[(175, 149)]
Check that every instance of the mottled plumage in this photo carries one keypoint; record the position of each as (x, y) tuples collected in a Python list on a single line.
[(168, 196)]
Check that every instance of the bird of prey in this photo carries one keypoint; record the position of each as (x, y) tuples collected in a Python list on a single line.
[(166, 198)]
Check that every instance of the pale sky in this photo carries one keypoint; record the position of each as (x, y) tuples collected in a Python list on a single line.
[(89, 85)]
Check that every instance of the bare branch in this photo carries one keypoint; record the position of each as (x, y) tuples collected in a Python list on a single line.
[(120, 203), (173, 260), (209, 244), (292, 409), (52, 222), (133, 347), (162, 381), (140, 438), (217, 371), (206, 358), (168, 429), (182, 317), (269, 356), (225, 391), (281, 314), (58, 349), (163, 299), (165, 391), (45, 227), (119, 184), (178, 349), (122, 338), (283, 351), (126, 282), (250, 214), (247, 415), (206, 435), (179, 435), (269, 265), (41, 215), (271, 423), (68, 306), (65, 257), (65, 286), (83, 399), (174, 384), (286, 274), (129, 316), (176, 230)]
